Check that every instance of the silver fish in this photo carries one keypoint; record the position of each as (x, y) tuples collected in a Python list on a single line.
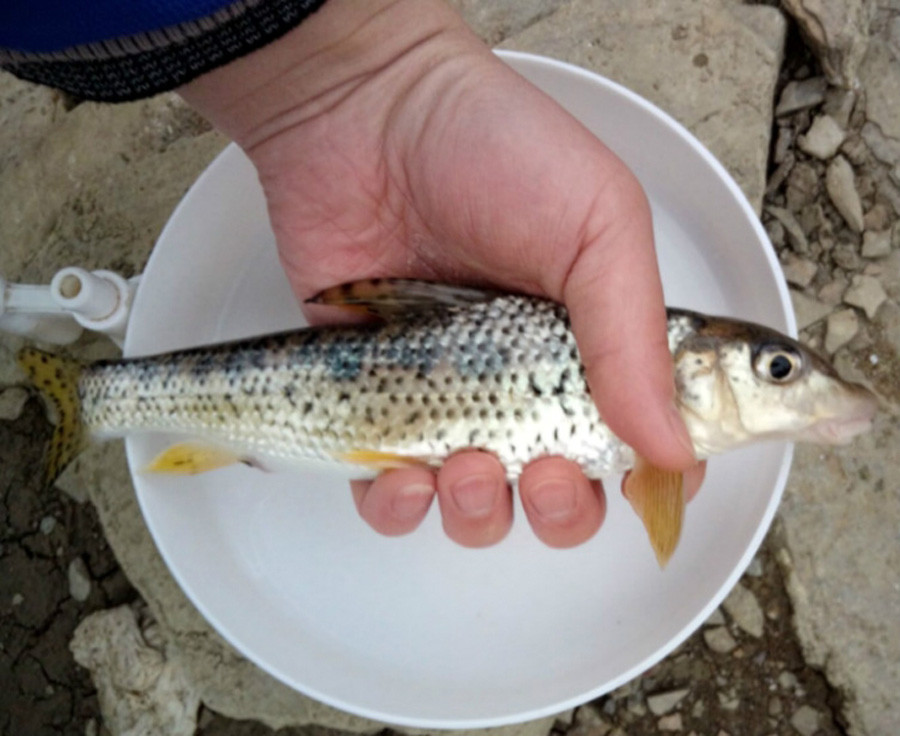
[(448, 368)]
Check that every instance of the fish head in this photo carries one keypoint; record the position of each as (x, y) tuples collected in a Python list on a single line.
[(739, 382)]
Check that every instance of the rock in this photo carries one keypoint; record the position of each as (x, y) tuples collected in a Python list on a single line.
[(635, 705), (803, 185), (805, 720), (880, 73), (588, 721), (839, 104), (807, 310), (842, 328), (801, 95), (662, 703), (792, 228), (141, 691), (716, 618), (783, 143), (719, 640), (12, 401), (839, 181), (775, 707), (876, 244), (799, 271), (728, 700), (886, 150), (855, 149), (775, 231), (744, 609), (837, 32), (79, 580), (877, 218), (811, 218), (755, 568), (867, 293), (47, 525), (833, 292), (713, 62), (823, 139), (788, 680), (846, 257), (780, 175), (670, 723)]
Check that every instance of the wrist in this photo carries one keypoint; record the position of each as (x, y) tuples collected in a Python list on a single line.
[(312, 68)]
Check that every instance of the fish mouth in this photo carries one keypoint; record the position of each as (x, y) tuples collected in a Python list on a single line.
[(854, 417)]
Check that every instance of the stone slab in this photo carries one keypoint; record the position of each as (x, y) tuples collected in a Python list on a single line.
[(711, 64), (839, 518)]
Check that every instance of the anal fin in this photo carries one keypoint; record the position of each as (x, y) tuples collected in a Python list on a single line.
[(657, 497), (190, 458), (377, 460)]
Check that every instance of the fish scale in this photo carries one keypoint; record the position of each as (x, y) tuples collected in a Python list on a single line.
[(502, 375)]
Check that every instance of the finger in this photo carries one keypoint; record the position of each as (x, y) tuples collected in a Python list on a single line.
[(562, 505), (615, 301), (396, 501), (475, 501)]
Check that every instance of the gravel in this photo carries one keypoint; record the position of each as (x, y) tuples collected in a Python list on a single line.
[(841, 186)]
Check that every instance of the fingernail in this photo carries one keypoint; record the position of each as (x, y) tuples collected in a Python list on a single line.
[(554, 499), (475, 495), (679, 429), (411, 501)]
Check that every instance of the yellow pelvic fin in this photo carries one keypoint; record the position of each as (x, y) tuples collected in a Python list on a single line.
[(657, 497), (390, 297), (190, 458), (377, 460), (56, 378)]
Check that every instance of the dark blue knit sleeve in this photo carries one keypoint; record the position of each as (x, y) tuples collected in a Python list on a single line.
[(117, 50)]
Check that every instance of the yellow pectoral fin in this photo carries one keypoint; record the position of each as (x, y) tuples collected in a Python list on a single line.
[(190, 458), (657, 497), (377, 460)]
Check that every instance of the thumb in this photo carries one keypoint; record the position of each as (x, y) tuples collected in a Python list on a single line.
[(615, 301)]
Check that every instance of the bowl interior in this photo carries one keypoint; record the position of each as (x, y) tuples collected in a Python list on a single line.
[(417, 630)]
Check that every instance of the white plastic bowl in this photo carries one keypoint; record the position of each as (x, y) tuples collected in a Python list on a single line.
[(416, 630)]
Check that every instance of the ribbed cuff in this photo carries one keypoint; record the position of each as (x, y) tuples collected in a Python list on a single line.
[(134, 67)]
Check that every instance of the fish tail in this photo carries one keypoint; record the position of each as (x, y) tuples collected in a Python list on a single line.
[(56, 378)]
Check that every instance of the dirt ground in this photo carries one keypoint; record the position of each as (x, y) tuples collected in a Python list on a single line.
[(52, 552)]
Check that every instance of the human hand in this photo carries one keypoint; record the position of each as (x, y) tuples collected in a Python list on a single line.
[(391, 142)]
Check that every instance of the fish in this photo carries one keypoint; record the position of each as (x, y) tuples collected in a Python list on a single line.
[(445, 368)]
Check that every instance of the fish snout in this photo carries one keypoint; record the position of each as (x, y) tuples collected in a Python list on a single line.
[(852, 414)]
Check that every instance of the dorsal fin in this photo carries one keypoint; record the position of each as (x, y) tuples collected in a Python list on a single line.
[(387, 297)]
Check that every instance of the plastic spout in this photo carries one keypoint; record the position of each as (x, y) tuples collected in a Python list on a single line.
[(98, 300), (29, 310), (75, 300)]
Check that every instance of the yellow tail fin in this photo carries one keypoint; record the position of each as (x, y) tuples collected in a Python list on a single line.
[(56, 378)]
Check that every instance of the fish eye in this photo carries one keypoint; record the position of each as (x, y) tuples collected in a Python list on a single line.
[(778, 364)]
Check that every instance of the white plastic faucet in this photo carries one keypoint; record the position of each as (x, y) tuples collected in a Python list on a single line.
[(76, 299)]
